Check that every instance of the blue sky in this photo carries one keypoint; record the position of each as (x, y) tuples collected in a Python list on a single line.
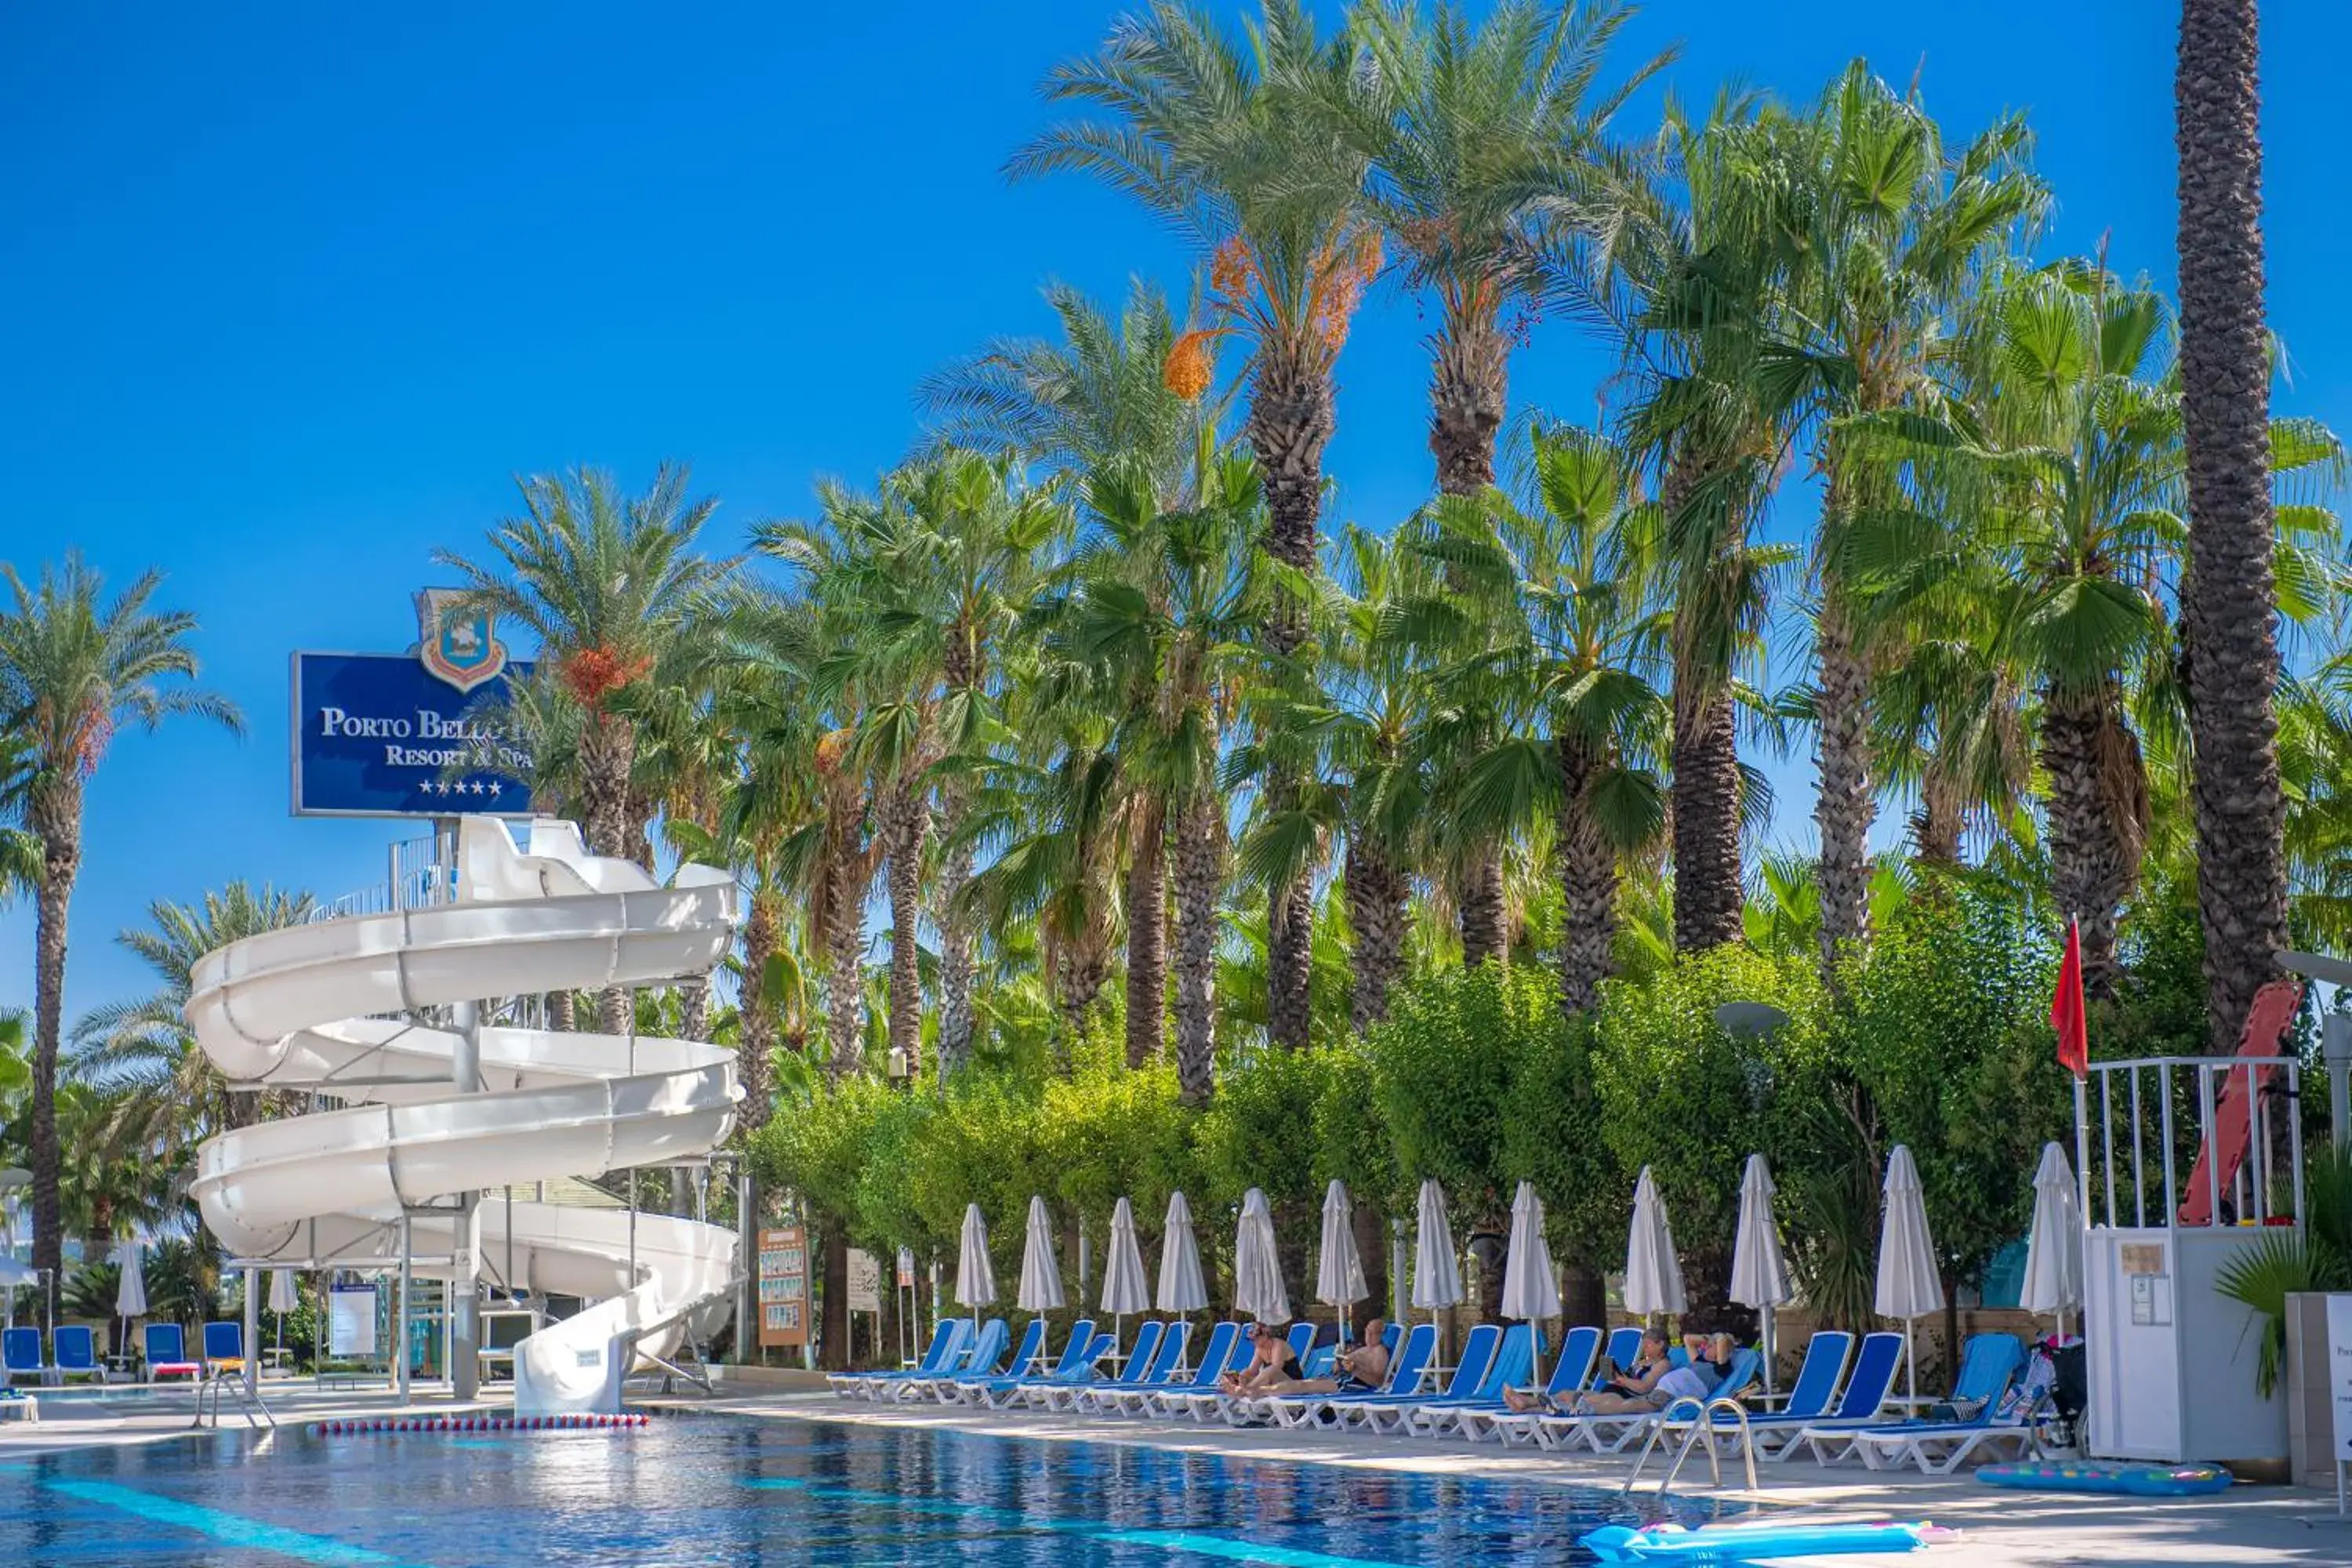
[(291, 291)]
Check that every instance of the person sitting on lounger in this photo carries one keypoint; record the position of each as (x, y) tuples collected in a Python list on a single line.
[(1271, 1363), (1710, 1357), (1359, 1369), (1635, 1388)]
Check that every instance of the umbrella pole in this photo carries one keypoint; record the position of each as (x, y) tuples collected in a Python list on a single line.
[(1766, 1315), (1910, 1365)]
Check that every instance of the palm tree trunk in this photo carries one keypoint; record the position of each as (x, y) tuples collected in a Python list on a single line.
[(755, 1014), (2229, 602), (561, 1013), (55, 821), (2098, 815), (1147, 933), (1291, 419), (1199, 880), (1375, 894), (1587, 882), (957, 1016), (608, 747), (1485, 922), (909, 825), (694, 1007), (1938, 825), (1706, 807), (1846, 800), (844, 908)]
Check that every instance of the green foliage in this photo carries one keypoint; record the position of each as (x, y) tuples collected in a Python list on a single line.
[(2280, 1263), (1552, 1134)]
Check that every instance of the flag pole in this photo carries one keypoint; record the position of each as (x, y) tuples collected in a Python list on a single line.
[(2081, 1101)]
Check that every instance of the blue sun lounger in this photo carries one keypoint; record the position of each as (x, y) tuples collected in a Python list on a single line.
[(1085, 1348), (1216, 1356), (1023, 1363), (983, 1356), (167, 1351), (1867, 1389), (1989, 1365), (1808, 1400), (1061, 1394), (1408, 1365), (76, 1349), (1166, 1371), (1386, 1412), (1203, 1404), (1513, 1365), (20, 1357), (948, 1337), (224, 1348), (1580, 1353)]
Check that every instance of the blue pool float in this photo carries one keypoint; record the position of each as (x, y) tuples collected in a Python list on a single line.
[(2092, 1476), (1729, 1543)]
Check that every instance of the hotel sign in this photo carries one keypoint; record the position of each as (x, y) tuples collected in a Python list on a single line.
[(378, 734)]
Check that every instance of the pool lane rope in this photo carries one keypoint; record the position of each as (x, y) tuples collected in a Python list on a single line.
[(372, 1424)]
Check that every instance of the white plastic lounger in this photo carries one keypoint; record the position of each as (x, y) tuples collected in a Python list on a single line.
[(1386, 1412), (1214, 1355), (1866, 1393), (947, 1340), (984, 1358), (1056, 1394), (1085, 1348), (1201, 1407), (1177, 1399), (1406, 1371), (1097, 1399), (1513, 1364), (1989, 1365)]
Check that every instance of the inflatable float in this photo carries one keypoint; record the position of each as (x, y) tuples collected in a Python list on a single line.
[(1731, 1543), (2094, 1476)]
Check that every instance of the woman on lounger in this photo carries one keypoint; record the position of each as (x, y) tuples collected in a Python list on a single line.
[(1635, 1388), (1271, 1364)]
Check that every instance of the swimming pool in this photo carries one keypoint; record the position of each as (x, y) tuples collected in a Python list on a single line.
[(714, 1489)]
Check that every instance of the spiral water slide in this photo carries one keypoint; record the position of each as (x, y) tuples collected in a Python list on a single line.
[(332, 1008)]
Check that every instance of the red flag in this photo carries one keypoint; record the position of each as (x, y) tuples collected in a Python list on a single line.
[(2066, 1007)]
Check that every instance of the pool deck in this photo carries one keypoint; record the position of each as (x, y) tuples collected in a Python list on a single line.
[(2252, 1525)]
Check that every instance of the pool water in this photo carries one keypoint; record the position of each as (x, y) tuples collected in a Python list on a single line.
[(711, 1490)]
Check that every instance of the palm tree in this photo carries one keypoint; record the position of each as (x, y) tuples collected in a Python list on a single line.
[(606, 582), (1885, 232), (2229, 607), (1466, 130), (1570, 578), (1224, 141), (172, 1096), (74, 666)]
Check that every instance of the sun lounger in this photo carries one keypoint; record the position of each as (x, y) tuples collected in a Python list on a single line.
[(983, 1356), (1989, 1365), (1867, 1390), (948, 1337), (167, 1353), (1386, 1412), (1407, 1367), (20, 1357), (224, 1349), (1177, 1399), (1084, 1349), (1024, 1361), (1816, 1386), (1055, 1393), (1216, 1355), (1166, 1371), (1514, 1364), (1202, 1407), (77, 1351), (1570, 1373)]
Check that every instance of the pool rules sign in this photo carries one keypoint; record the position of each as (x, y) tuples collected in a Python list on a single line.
[(2339, 1374)]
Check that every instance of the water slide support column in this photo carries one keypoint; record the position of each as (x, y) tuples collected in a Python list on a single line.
[(400, 1329), (747, 1294), (252, 1369), (465, 1286)]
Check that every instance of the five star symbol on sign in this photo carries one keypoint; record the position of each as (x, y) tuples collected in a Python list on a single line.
[(466, 786)]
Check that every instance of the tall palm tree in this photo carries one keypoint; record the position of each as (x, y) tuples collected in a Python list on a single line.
[(606, 582), (1884, 233), (1466, 129), (2229, 608), (1569, 575), (1224, 141), (76, 665)]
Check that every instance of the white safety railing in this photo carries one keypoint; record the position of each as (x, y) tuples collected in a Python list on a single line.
[(420, 874), (2146, 1123)]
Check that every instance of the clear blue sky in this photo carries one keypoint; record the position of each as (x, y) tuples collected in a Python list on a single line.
[(288, 292)]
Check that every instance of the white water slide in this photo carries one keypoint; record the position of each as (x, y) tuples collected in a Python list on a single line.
[(331, 1009)]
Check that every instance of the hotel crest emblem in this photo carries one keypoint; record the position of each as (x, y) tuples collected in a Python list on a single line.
[(457, 642)]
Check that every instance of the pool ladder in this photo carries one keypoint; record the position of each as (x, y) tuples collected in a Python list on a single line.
[(1702, 1433), (235, 1383)]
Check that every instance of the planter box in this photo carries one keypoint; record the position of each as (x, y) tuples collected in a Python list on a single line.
[(2310, 1396)]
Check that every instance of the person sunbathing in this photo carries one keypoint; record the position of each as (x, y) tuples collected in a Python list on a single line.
[(1634, 1388), (1271, 1363), (1359, 1369)]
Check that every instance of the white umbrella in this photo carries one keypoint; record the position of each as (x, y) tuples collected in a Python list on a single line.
[(2053, 1247), (1529, 1291), (130, 1295), (1124, 1287), (1436, 1269), (1339, 1272), (1041, 1273), (1760, 1271), (281, 1298), (1182, 1288), (975, 1285), (1909, 1287), (1258, 1290), (1653, 1275)]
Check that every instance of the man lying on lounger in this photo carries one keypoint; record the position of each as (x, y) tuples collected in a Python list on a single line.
[(1361, 1369)]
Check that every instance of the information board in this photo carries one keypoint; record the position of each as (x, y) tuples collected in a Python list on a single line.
[(784, 1287), (2339, 1372), (350, 1321), (865, 1282)]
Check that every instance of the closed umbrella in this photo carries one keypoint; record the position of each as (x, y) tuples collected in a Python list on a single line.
[(1436, 1268), (1653, 1275), (1182, 1288), (1258, 1290), (1760, 1271), (1041, 1273), (281, 1298), (131, 1291), (975, 1283), (1909, 1286), (2053, 1247), (1339, 1272), (1125, 1290), (1530, 1290)]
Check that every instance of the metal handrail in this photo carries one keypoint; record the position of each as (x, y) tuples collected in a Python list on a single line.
[(1702, 1431), (250, 1403)]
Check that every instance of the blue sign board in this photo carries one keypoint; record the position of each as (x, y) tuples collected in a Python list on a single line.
[(379, 735)]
